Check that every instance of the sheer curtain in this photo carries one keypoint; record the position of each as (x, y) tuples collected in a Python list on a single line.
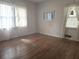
[(6, 17), (11, 18), (20, 16)]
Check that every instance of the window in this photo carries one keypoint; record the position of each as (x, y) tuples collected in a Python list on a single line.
[(72, 20), (20, 14), (12, 17)]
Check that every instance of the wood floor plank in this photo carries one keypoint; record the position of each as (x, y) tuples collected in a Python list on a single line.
[(39, 46)]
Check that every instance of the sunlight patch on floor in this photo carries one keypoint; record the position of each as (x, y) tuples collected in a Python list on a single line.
[(26, 41)]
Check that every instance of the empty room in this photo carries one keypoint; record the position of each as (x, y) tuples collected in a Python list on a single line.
[(39, 29)]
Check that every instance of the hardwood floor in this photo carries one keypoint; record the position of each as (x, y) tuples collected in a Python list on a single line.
[(38, 46)]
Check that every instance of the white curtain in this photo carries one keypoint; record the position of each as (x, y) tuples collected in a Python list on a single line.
[(6, 17), (21, 16), (11, 18)]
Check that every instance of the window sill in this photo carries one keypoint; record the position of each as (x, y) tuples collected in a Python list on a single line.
[(72, 27)]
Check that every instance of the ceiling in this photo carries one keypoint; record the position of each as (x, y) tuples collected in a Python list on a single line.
[(37, 1)]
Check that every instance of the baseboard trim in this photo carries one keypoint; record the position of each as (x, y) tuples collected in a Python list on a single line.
[(51, 35)]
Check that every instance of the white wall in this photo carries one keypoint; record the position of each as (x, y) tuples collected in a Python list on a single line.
[(36, 22), (55, 27), (31, 28)]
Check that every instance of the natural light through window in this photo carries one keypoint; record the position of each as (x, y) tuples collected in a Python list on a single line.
[(21, 13), (72, 23), (11, 16), (6, 16), (72, 20)]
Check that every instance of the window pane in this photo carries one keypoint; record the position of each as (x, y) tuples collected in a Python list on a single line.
[(11, 16), (71, 12), (21, 17), (6, 16), (6, 10), (72, 22)]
